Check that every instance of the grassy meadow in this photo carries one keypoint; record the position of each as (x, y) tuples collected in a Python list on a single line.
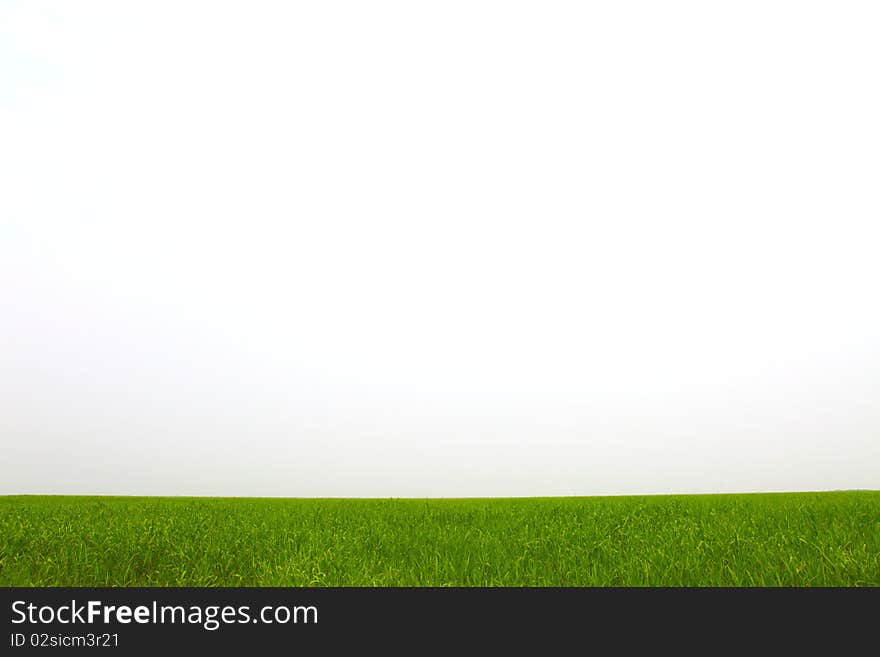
[(781, 539)]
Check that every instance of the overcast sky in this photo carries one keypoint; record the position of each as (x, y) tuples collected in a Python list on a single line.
[(450, 248)]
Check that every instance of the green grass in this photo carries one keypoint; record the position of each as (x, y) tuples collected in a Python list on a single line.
[(785, 539)]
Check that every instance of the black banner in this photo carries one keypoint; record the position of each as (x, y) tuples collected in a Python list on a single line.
[(415, 620)]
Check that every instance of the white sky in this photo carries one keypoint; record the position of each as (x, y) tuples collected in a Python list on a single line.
[(439, 248)]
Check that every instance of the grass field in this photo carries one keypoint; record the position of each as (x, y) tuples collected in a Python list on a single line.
[(788, 539)]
